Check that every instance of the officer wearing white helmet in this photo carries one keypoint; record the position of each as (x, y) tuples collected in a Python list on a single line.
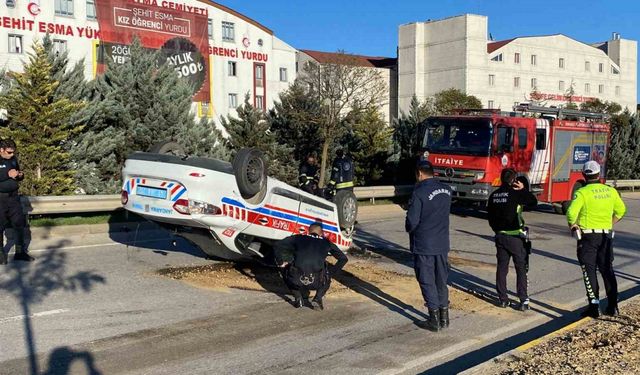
[(595, 208)]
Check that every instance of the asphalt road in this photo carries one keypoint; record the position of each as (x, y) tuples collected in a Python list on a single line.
[(95, 305)]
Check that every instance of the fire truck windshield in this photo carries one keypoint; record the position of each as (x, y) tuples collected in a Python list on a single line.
[(458, 136)]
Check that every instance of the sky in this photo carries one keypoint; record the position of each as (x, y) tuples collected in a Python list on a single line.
[(371, 27)]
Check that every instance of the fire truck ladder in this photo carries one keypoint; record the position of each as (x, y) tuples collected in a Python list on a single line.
[(560, 113)]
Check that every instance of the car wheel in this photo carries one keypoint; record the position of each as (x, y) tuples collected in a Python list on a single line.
[(250, 170), (168, 148), (347, 205)]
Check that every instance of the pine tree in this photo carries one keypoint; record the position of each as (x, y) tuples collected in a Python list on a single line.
[(295, 120), (39, 122), (133, 106), (370, 144), (251, 129)]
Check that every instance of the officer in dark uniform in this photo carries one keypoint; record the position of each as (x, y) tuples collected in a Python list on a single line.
[(505, 218), (341, 173), (10, 206), (308, 176), (303, 259), (593, 211), (428, 225)]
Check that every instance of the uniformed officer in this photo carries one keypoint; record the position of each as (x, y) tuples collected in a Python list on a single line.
[(427, 223), (341, 173), (594, 210), (504, 208), (10, 206), (303, 259), (308, 176)]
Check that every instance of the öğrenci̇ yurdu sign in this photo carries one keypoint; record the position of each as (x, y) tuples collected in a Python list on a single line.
[(181, 35)]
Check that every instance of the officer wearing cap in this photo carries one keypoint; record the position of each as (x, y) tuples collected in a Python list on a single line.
[(504, 210), (594, 210), (428, 225)]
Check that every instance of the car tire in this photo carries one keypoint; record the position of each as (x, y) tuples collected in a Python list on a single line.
[(347, 204), (250, 170), (168, 148)]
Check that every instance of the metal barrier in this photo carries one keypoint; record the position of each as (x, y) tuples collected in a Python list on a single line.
[(47, 205)]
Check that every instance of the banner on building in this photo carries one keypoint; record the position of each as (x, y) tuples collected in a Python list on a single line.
[(179, 32)]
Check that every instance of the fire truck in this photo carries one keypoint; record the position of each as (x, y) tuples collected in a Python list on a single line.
[(546, 146)]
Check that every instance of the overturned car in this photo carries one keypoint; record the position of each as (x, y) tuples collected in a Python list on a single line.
[(231, 211)]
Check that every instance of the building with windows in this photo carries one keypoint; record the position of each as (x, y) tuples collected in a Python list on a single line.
[(245, 57), (555, 69)]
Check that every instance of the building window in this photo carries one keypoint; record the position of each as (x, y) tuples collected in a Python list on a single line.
[(15, 43), (534, 60), (492, 80), (516, 81), (259, 74), (59, 46), (233, 100), (228, 31), (587, 66), (534, 83), (600, 89), (617, 90), (515, 104), (587, 88), (614, 70), (561, 85), (205, 109), (210, 28), (232, 68), (283, 74), (259, 102), (91, 9), (490, 104), (561, 63), (601, 68), (516, 58), (497, 57), (64, 7)]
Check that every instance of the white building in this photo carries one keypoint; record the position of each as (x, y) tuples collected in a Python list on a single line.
[(245, 56), (457, 53)]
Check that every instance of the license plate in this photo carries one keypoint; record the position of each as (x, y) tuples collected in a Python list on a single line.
[(151, 192)]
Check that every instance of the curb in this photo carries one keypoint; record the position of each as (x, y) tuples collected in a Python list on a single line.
[(535, 342)]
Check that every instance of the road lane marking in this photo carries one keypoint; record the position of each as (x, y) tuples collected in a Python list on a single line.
[(35, 315)]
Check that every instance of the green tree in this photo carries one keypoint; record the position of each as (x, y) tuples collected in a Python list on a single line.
[(251, 129), (598, 106), (569, 95), (133, 106), (39, 121), (405, 128), (295, 119), (370, 144), (446, 101)]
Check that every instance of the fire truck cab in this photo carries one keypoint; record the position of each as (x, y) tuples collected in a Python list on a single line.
[(546, 146)]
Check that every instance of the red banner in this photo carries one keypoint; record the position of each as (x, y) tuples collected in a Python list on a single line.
[(179, 32)]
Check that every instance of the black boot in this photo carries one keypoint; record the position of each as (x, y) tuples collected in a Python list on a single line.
[(612, 309), (21, 254), (298, 302), (444, 317), (433, 323), (593, 311), (317, 303)]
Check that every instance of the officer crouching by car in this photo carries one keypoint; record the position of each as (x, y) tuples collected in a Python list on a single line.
[(308, 176), (341, 173), (504, 208), (594, 210), (427, 223), (303, 259)]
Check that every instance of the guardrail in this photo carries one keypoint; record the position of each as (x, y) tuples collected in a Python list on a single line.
[(47, 205)]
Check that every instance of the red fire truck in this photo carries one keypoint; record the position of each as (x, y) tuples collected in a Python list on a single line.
[(547, 146)]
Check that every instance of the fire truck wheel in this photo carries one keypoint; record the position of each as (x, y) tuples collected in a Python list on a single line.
[(168, 148), (250, 170), (347, 205), (564, 206)]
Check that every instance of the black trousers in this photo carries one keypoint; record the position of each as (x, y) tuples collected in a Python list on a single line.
[(321, 284), (595, 250), (432, 272), (11, 212), (508, 247)]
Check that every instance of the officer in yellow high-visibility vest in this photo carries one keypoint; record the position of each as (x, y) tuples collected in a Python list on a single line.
[(593, 212)]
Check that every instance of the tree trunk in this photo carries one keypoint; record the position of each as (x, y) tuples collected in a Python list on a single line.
[(323, 162)]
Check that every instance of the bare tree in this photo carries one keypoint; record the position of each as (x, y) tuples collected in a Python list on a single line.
[(340, 86)]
